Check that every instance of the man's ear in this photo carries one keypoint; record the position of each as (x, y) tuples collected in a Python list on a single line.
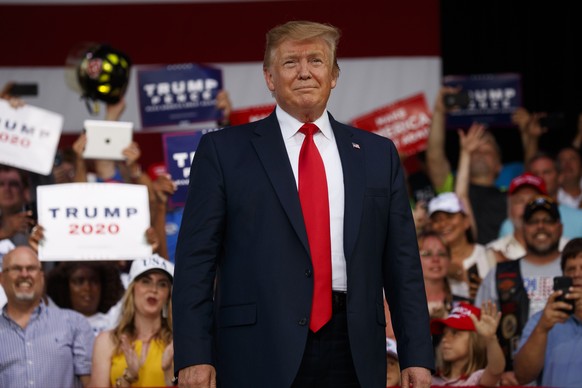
[(333, 82), (269, 79)]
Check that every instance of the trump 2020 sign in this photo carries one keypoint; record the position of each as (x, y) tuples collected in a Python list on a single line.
[(93, 221)]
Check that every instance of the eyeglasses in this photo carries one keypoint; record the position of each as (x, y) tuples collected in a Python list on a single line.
[(17, 269), (544, 221)]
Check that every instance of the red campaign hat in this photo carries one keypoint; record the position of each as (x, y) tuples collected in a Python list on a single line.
[(459, 318), (528, 179)]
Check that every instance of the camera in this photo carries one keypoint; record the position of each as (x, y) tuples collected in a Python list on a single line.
[(460, 99), (563, 283), (23, 90)]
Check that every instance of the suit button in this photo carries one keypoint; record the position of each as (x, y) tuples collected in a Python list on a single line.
[(302, 322), (308, 273)]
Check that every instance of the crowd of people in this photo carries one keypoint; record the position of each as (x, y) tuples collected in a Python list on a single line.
[(484, 245), (489, 257)]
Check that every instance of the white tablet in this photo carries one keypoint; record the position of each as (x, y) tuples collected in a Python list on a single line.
[(107, 139)]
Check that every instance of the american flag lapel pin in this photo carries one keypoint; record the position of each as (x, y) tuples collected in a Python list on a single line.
[(356, 146)]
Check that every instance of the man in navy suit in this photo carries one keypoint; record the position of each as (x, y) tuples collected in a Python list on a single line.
[(244, 278)]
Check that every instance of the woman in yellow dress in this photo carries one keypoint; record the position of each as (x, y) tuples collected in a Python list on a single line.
[(138, 352)]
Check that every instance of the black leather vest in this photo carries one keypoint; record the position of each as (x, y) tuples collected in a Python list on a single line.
[(514, 303)]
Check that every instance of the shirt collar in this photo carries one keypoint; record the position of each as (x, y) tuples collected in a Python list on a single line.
[(42, 307), (290, 125)]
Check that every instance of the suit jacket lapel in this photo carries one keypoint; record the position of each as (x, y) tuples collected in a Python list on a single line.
[(271, 150), (352, 156)]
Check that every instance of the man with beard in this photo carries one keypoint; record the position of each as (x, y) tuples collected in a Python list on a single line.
[(521, 287), (41, 346), (545, 166), (521, 190)]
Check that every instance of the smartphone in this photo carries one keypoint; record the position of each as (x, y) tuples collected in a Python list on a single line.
[(23, 90), (460, 99), (472, 270), (563, 283), (31, 207)]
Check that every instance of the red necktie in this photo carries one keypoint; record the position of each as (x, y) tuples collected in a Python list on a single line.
[(315, 207)]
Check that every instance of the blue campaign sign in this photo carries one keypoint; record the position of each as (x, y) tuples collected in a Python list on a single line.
[(492, 99), (179, 149), (178, 94)]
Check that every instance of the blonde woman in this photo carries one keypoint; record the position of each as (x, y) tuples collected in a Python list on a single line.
[(138, 352)]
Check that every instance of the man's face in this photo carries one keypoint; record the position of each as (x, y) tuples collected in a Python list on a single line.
[(542, 233), (517, 202), (545, 168), (573, 269), (570, 166), (12, 189), (301, 77), (22, 276), (485, 160)]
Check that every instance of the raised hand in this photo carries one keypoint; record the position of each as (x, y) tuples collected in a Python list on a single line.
[(134, 363), (486, 326), (36, 236), (471, 140), (131, 153), (163, 187)]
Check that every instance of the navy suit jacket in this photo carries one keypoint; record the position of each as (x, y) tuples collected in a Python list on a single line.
[(242, 286)]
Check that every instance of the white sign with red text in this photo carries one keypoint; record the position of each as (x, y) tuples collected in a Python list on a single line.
[(406, 122), (29, 137), (93, 221)]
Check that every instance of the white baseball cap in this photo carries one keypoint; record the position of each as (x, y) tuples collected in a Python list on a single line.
[(447, 202), (155, 261)]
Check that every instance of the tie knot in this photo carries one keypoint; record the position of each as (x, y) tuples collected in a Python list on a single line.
[(308, 129)]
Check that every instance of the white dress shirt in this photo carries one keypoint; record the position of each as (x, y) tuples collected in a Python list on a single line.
[(326, 144)]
